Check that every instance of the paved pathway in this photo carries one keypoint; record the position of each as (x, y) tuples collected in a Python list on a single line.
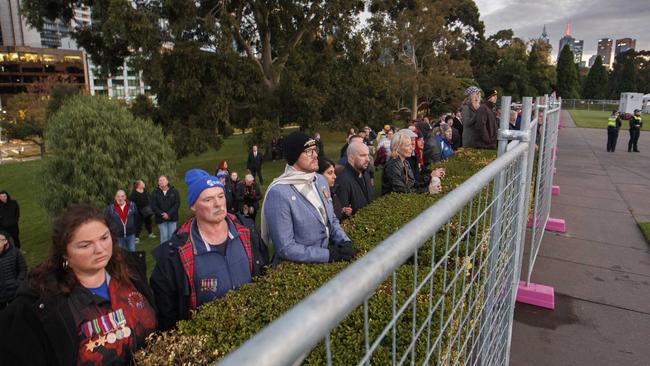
[(600, 268)]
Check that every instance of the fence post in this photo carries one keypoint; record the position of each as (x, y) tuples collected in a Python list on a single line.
[(495, 231), (525, 177)]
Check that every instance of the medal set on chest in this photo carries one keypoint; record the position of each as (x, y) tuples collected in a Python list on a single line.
[(106, 329), (208, 285)]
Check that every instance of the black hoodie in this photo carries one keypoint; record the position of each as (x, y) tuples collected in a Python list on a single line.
[(9, 212)]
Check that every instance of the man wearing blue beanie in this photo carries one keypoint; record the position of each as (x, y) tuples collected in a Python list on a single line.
[(212, 253)]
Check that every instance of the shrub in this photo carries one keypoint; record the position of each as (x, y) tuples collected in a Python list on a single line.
[(97, 147), (221, 326)]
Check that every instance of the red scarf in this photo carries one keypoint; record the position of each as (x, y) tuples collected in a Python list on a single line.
[(419, 154), (122, 213)]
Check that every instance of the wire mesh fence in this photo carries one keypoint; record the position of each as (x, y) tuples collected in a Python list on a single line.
[(439, 291), (604, 105), (545, 156)]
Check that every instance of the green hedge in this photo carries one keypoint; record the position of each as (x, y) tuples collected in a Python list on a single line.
[(220, 327)]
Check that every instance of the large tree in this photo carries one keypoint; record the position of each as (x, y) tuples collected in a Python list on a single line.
[(97, 147), (541, 72), (486, 55), (253, 41), (568, 83), (511, 73), (428, 42), (623, 77), (596, 84)]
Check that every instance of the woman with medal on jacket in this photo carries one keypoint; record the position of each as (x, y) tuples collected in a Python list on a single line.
[(83, 305)]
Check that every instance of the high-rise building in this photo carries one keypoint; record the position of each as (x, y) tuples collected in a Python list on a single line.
[(565, 40), (29, 57), (15, 31), (624, 45), (605, 51), (576, 46), (126, 83), (592, 60), (22, 67), (544, 36)]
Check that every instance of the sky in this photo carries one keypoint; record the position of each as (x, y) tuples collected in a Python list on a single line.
[(590, 20)]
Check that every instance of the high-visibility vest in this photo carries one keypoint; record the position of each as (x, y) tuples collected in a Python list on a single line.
[(611, 122)]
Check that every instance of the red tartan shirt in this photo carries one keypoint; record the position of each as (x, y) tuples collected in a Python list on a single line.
[(187, 254)]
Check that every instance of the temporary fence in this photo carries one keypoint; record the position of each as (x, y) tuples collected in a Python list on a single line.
[(546, 156), (448, 278), (591, 104)]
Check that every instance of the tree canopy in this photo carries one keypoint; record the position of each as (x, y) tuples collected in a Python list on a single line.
[(567, 75), (596, 83), (97, 147)]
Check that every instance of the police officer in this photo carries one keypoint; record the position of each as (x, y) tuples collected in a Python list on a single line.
[(635, 131), (613, 125)]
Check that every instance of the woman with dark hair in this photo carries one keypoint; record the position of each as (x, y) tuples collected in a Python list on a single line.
[(82, 305), (327, 169)]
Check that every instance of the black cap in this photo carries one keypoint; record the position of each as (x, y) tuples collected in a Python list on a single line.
[(295, 144), (488, 92)]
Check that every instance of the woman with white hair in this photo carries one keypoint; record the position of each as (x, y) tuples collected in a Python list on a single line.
[(398, 175)]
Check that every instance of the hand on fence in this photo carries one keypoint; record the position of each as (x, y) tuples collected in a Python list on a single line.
[(438, 172), (341, 252)]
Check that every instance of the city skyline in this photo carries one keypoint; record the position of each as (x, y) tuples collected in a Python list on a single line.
[(590, 20)]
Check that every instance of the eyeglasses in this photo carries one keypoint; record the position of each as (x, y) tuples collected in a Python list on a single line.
[(3, 240), (310, 153)]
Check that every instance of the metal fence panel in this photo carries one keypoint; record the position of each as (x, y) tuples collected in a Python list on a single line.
[(441, 290), (603, 105), (546, 151)]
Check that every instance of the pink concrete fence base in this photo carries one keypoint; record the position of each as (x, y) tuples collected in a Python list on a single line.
[(553, 225), (535, 294)]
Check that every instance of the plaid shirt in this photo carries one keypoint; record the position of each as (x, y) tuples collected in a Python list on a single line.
[(187, 254)]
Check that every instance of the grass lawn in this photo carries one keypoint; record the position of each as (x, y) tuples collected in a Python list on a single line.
[(645, 229), (598, 119), (23, 183)]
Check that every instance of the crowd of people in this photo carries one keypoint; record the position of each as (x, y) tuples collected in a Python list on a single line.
[(89, 301)]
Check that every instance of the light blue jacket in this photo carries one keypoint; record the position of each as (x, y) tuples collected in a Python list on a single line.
[(295, 227)]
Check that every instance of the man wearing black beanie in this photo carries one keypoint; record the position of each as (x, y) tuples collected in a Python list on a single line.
[(298, 216)]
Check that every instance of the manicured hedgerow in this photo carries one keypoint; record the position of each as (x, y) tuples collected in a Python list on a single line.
[(221, 326)]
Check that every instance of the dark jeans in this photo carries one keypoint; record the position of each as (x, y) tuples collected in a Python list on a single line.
[(147, 224), (612, 136), (634, 139), (14, 232)]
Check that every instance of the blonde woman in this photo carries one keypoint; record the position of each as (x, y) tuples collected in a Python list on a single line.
[(398, 174)]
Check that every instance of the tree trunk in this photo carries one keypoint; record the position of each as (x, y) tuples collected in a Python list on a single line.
[(414, 101)]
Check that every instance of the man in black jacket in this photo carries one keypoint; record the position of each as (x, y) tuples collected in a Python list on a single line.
[(165, 202), (13, 269), (212, 253), (635, 131), (354, 184), (254, 163), (9, 216)]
